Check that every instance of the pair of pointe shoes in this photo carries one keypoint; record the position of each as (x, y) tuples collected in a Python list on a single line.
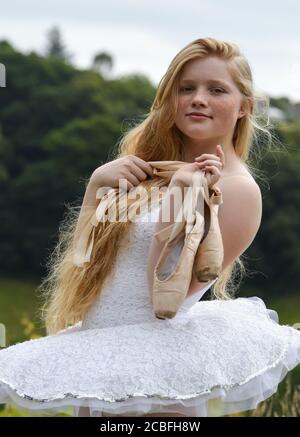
[(196, 252)]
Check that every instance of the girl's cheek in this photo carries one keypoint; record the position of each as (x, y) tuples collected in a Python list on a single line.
[(228, 106), (226, 111), (181, 107)]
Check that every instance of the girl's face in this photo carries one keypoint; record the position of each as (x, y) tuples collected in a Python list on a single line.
[(206, 86)]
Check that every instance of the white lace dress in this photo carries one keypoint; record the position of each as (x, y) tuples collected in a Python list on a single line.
[(214, 358)]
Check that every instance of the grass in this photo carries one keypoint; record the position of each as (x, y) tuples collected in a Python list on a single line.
[(9, 411), (19, 313), (18, 308), (288, 309)]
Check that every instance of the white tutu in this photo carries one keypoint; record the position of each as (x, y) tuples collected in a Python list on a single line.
[(214, 358)]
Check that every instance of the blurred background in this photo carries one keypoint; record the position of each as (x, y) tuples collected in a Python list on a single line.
[(75, 75)]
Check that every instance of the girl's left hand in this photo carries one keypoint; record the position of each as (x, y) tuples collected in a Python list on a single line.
[(212, 165)]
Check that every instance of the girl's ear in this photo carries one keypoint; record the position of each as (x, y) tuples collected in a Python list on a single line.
[(245, 108)]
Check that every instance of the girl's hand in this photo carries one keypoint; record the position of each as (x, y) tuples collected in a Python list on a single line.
[(129, 167), (209, 163), (212, 165)]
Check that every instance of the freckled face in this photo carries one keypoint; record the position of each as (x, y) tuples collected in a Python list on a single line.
[(206, 86)]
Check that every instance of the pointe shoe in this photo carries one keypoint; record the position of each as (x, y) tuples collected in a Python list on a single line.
[(210, 254), (171, 282), (170, 287)]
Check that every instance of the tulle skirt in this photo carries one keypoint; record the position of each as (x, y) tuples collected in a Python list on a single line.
[(219, 357)]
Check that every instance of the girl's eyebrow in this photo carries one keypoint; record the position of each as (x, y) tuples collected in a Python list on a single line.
[(213, 81)]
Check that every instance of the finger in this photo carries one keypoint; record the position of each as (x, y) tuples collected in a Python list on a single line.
[(138, 172), (221, 153), (213, 169), (146, 167), (219, 149), (211, 177), (207, 156), (131, 178), (210, 162)]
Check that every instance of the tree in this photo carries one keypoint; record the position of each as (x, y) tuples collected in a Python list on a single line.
[(102, 63), (55, 47)]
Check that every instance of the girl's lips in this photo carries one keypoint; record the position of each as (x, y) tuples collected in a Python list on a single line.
[(197, 117)]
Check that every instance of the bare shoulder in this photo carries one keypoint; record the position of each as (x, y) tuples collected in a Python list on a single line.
[(239, 188), (240, 213), (239, 171)]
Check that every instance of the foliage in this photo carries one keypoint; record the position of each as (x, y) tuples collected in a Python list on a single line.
[(57, 125)]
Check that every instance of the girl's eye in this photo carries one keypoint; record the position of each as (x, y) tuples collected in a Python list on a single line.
[(219, 89), (185, 88)]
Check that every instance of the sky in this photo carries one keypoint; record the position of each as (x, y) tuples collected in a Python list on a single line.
[(144, 36)]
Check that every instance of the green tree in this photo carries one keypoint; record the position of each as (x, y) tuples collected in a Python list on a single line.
[(103, 64), (55, 46)]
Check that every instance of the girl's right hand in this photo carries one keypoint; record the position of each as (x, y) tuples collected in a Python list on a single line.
[(130, 167), (184, 175), (207, 162)]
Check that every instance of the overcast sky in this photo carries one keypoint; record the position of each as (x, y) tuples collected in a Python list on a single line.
[(143, 36)]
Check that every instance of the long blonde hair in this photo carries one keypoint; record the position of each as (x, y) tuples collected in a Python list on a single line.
[(69, 291)]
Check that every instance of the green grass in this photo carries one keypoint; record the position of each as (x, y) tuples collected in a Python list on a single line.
[(9, 411), (288, 310), (287, 307), (18, 307)]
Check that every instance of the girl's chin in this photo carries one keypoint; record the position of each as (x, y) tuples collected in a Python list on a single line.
[(198, 128), (199, 135)]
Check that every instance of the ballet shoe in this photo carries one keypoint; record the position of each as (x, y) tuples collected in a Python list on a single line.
[(171, 282), (210, 254), (170, 287)]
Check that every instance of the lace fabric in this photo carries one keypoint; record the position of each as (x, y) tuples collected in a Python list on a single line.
[(213, 358)]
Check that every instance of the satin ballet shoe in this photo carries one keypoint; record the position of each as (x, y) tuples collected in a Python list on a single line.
[(173, 270), (170, 287), (210, 254)]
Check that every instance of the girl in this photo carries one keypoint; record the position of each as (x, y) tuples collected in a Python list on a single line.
[(106, 354)]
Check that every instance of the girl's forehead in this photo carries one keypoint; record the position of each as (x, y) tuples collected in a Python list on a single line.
[(213, 68)]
